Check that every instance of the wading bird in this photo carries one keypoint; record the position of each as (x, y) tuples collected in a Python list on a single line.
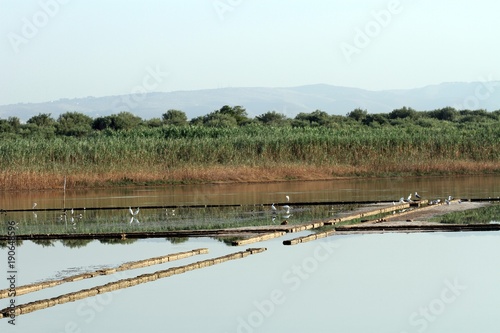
[(272, 207), (34, 205), (132, 212)]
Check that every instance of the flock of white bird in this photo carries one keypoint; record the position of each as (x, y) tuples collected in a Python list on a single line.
[(284, 212), (432, 202)]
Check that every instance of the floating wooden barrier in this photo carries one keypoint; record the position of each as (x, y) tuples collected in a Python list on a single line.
[(419, 227), (368, 213), (259, 238), (309, 226), (124, 283), (309, 238), (21, 290)]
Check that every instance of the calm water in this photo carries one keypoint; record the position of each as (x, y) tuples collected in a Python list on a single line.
[(398, 283), (265, 193), (436, 282)]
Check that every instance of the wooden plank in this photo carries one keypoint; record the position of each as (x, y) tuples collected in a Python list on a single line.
[(259, 238), (309, 238), (369, 213)]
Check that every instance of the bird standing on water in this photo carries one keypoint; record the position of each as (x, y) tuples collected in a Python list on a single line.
[(134, 214)]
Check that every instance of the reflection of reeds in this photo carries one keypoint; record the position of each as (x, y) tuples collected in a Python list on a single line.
[(168, 155), (155, 220)]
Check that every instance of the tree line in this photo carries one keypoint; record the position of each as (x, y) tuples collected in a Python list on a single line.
[(79, 125)]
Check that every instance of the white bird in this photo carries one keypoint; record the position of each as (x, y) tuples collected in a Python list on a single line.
[(401, 200), (286, 207), (34, 205), (287, 198), (272, 207), (273, 218), (132, 212), (409, 198), (417, 196)]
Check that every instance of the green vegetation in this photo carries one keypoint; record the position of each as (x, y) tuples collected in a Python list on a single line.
[(486, 214), (227, 145)]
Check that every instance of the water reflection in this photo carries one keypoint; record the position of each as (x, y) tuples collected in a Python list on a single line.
[(385, 189), (145, 219), (388, 279)]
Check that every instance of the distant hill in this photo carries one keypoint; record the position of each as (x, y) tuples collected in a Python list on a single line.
[(289, 101)]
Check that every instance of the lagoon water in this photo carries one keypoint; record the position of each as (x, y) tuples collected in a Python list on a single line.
[(428, 282), (436, 282)]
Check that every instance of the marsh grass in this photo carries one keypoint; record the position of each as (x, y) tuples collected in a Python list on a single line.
[(486, 214), (244, 154)]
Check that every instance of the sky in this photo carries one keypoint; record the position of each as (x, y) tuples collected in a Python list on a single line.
[(53, 49)]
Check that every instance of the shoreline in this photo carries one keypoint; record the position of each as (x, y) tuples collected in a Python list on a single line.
[(16, 181)]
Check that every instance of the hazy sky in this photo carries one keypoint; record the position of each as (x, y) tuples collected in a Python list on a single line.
[(53, 49)]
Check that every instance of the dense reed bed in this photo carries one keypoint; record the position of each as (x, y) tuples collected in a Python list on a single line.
[(190, 154)]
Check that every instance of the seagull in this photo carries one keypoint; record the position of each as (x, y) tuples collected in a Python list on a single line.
[(417, 196), (132, 212)]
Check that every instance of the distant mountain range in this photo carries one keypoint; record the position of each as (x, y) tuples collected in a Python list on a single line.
[(289, 101)]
